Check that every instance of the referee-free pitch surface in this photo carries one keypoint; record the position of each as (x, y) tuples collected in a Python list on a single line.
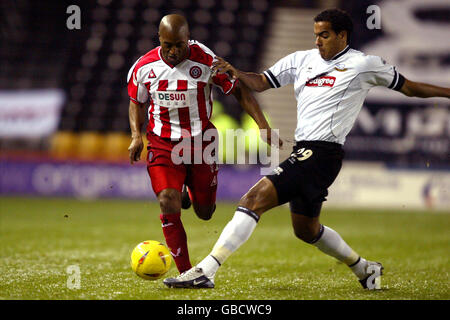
[(44, 240)]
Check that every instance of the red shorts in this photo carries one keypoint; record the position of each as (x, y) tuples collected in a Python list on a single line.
[(201, 178)]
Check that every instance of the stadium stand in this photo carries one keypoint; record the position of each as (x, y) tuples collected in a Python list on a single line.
[(91, 63), (122, 31)]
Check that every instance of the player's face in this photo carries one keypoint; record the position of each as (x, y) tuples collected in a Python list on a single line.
[(174, 46), (327, 41)]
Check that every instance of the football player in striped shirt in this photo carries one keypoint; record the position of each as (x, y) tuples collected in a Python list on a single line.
[(173, 85), (330, 83)]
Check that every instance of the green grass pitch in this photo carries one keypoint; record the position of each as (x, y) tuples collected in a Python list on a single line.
[(41, 238)]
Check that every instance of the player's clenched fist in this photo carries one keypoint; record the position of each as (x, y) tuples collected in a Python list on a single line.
[(135, 149), (222, 66)]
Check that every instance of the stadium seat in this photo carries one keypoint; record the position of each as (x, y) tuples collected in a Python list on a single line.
[(63, 145), (93, 63), (121, 31), (90, 145), (115, 146)]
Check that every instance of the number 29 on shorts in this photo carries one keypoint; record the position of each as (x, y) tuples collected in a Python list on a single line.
[(302, 154)]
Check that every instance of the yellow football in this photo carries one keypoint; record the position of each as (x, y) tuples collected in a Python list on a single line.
[(150, 260)]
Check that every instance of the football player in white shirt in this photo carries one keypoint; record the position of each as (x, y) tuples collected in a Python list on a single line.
[(330, 83), (175, 81)]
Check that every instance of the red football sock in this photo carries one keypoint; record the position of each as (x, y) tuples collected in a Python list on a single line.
[(176, 240)]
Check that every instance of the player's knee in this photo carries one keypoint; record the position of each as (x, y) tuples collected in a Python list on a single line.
[(256, 199), (204, 212), (250, 200), (169, 201), (306, 233)]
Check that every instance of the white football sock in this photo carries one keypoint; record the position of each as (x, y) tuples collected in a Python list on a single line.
[(331, 243), (235, 233), (359, 268)]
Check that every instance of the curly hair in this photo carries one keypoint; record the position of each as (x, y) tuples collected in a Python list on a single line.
[(339, 20)]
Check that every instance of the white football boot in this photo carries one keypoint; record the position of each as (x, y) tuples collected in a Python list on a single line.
[(192, 278), (374, 272)]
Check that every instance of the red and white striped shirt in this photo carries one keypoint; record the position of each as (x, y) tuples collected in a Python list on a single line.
[(180, 96)]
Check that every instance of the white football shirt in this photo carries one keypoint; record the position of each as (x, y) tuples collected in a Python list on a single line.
[(330, 93)]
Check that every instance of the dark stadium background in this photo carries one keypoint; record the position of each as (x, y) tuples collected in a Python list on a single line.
[(89, 66)]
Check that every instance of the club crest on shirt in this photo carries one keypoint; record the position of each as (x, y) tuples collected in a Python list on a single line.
[(325, 81), (340, 68), (195, 72)]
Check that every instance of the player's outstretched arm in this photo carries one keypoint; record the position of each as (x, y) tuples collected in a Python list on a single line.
[(251, 106), (255, 81), (136, 116), (423, 90)]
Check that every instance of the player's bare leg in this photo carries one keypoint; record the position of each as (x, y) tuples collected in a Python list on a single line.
[(169, 201), (174, 233), (330, 242), (305, 228), (260, 198), (253, 204), (204, 211)]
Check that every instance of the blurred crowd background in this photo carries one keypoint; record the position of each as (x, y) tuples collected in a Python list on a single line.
[(63, 91)]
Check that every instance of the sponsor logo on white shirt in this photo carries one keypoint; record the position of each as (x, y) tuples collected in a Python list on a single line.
[(326, 81)]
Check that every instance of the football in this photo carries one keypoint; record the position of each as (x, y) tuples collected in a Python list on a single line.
[(150, 259)]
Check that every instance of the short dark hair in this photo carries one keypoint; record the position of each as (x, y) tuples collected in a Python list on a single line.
[(339, 20)]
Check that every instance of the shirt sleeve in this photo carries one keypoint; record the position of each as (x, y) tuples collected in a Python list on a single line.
[(380, 73), (226, 84), (283, 72), (136, 90), (221, 81)]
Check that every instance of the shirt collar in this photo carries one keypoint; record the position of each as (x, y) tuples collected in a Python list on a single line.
[(340, 54), (188, 54)]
